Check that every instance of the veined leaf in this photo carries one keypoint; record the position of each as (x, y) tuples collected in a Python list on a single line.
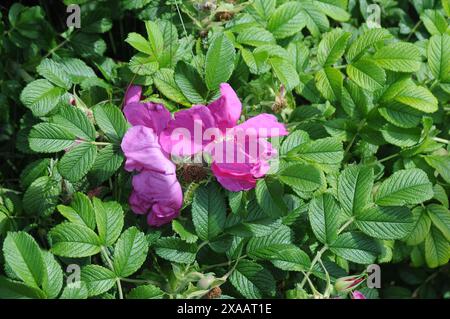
[(440, 216), (41, 97), (77, 162), (438, 60), (109, 218), (53, 72), (405, 187), (365, 41), (332, 47), (355, 188), (130, 252), (367, 74), (356, 247), (252, 280), (421, 227), (111, 121), (98, 279), (75, 121), (287, 20), (399, 57), (437, 248), (303, 177), (176, 250), (219, 63), (50, 138), (329, 82), (325, 218), (73, 240), (267, 246)]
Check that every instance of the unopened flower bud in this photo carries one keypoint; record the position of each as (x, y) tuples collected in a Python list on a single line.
[(346, 284), (205, 282), (358, 295)]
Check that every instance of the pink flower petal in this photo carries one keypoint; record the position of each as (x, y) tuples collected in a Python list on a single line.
[(184, 134), (133, 94), (154, 116), (227, 108), (142, 151), (358, 295), (262, 125)]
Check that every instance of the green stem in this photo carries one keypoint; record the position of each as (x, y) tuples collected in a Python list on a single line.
[(387, 158), (111, 266), (141, 281), (441, 140), (101, 143), (313, 263)]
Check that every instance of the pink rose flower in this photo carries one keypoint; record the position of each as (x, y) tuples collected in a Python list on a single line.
[(240, 153), (156, 191)]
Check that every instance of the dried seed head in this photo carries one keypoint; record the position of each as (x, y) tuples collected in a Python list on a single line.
[(193, 173), (214, 293)]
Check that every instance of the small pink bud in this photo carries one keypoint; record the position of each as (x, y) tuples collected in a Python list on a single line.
[(72, 101), (358, 295)]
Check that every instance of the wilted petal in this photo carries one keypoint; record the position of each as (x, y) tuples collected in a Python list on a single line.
[(133, 94), (148, 114), (142, 151), (227, 108)]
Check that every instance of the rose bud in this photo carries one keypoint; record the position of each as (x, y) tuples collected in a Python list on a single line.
[(346, 284)]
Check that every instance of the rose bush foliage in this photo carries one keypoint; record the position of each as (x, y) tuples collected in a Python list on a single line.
[(362, 177)]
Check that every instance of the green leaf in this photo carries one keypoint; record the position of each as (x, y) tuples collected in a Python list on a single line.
[(367, 74), (176, 250), (434, 21), (130, 252), (365, 41), (385, 222), (190, 83), (53, 72), (24, 257), (73, 240), (356, 247), (75, 164), (257, 61), (398, 57), (138, 42), (269, 194), (287, 20), (98, 279), (42, 196), (80, 212), (355, 188), (208, 211), (111, 121), (41, 97), (285, 72), (402, 137), (322, 151), (441, 163), (110, 220), (252, 280), (293, 140), (440, 216), (329, 82), (325, 218), (303, 177), (50, 138), (291, 258), (155, 38), (438, 60), (267, 246), (332, 47), (10, 289), (437, 248), (401, 115), (184, 233), (264, 8), (146, 292), (335, 9), (165, 83), (75, 121), (219, 63), (142, 64), (255, 36), (404, 187), (421, 227), (34, 170), (107, 162), (316, 21), (77, 69), (72, 291), (53, 281), (418, 97)]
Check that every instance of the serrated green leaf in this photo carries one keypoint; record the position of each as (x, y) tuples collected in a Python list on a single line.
[(219, 63), (303, 177), (267, 246), (41, 97), (287, 20), (75, 121), (255, 36), (190, 83), (53, 72), (75, 164), (98, 279), (398, 57), (325, 218), (53, 281), (80, 211), (130, 252), (252, 280), (402, 137), (165, 83), (329, 82), (110, 220), (50, 138), (73, 240), (365, 41), (335, 9), (356, 247), (146, 292), (367, 74), (34, 170), (323, 151), (404, 187), (385, 222), (421, 227), (176, 250), (73, 291), (41, 196), (332, 47), (437, 53), (107, 162), (437, 248), (138, 42), (440, 217), (285, 72), (24, 257), (111, 121), (269, 193), (184, 233), (355, 188), (291, 258), (208, 211), (441, 163)]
